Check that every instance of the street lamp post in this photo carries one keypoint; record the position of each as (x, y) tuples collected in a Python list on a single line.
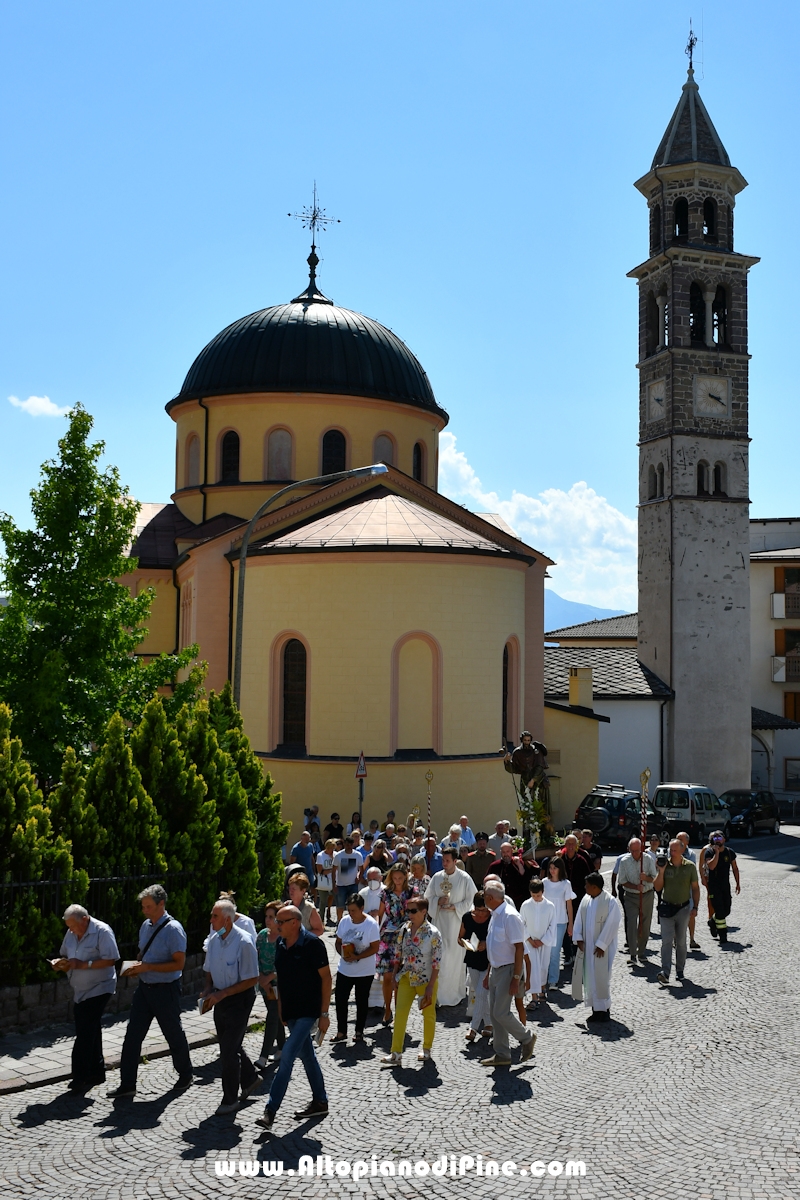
[(356, 473)]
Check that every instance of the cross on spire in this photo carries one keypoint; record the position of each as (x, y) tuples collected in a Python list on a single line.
[(690, 45), (314, 217)]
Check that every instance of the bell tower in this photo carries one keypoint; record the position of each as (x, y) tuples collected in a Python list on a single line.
[(694, 585)]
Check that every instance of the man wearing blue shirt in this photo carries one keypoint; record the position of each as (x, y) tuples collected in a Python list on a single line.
[(231, 968), (162, 953), (304, 852), (89, 951)]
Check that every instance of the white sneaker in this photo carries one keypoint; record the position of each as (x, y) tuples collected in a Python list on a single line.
[(391, 1060)]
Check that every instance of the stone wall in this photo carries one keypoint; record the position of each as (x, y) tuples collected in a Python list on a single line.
[(50, 1003)]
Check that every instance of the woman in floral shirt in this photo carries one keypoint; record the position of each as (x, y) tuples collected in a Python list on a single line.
[(418, 975), (391, 917)]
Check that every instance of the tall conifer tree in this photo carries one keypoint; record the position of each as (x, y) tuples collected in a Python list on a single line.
[(73, 817), (190, 832)]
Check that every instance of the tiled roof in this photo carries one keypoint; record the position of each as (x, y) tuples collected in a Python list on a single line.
[(626, 626), (155, 539), (616, 673), (383, 520), (768, 720)]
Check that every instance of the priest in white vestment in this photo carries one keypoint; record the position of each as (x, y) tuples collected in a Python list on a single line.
[(595, 934), (539, 918), (449, 896)]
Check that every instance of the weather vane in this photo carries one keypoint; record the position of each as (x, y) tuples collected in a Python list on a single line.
[(313, 217), (690, 45)]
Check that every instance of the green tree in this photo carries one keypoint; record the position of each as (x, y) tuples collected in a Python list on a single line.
[(129, 841), (236, 821), (72, 816), (190, 833), (30, 852), (265, 805), (69, 631)]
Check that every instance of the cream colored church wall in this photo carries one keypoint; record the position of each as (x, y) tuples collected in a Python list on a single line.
[(307, 417), (161, 624), (351, 610), (577, 741), (480, 788)]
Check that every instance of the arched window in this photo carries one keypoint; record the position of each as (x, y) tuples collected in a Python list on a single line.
[(279, 455), (697, 315), (334, 452), (652, 325), (229, 458), (681, 219), (702, 479), (720, 479), (652, 483), (655, 229), (192, 460), (660, 474), (720, 315), (710, 219), (383, 450), (294, 696), (419, 462)]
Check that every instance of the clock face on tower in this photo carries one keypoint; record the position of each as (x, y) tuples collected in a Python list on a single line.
[(712, 396), (656, 399)]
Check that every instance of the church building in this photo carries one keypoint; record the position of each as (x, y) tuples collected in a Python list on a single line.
[(378, 615)]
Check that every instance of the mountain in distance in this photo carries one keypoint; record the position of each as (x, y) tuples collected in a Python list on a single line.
[(558, 612)]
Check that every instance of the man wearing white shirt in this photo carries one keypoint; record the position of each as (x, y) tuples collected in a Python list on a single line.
[(231, 969), (637, 873), (505, 940)]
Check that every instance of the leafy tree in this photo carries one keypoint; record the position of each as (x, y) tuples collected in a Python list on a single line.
[(29, 852), (72, 816), (69, 631), (236, 822), (190, 833), (265, 805), (129, 841)]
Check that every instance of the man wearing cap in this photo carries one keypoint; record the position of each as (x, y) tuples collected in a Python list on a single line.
[(479, 860)]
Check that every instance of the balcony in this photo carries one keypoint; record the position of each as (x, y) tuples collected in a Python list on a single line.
[(784, 604), (786, 668)]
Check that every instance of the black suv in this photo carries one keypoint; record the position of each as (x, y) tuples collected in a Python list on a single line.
[(752, 811), (614, 816)]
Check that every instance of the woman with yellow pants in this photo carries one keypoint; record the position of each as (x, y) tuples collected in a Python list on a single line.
[(418, 973)]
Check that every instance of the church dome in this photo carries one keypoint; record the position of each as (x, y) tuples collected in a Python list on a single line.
[(309, 345)]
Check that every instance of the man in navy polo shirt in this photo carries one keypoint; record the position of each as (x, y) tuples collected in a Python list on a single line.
[(304, 993)]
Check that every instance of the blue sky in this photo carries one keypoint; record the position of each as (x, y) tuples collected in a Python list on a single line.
[(481, 159)]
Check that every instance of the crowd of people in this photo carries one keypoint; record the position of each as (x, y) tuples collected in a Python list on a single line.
[(472, 917)]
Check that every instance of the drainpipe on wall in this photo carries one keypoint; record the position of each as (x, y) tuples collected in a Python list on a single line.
[(205, 456)]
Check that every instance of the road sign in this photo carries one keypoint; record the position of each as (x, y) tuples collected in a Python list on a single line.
[(361, 769)]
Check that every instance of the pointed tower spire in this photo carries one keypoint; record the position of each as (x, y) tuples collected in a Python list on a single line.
[(690, 135)]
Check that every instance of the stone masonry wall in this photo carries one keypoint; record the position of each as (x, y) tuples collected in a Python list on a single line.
[(49, 1003)]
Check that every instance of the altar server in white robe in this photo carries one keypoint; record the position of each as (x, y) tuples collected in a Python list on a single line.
[(539, 918), (449, 895), (595, 934)]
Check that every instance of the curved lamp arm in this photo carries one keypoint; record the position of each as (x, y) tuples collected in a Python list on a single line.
[(356, 473)]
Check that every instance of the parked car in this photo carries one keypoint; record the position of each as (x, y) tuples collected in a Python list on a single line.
[(692, 807), (614, 815), (751, 812)]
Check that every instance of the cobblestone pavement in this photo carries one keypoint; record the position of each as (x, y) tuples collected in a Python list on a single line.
[(689, 1092)]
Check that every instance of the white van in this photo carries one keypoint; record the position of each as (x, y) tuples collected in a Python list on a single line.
[(692, 808)]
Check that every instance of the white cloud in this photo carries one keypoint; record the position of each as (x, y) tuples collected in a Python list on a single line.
[(593, 543), (39, 406)]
